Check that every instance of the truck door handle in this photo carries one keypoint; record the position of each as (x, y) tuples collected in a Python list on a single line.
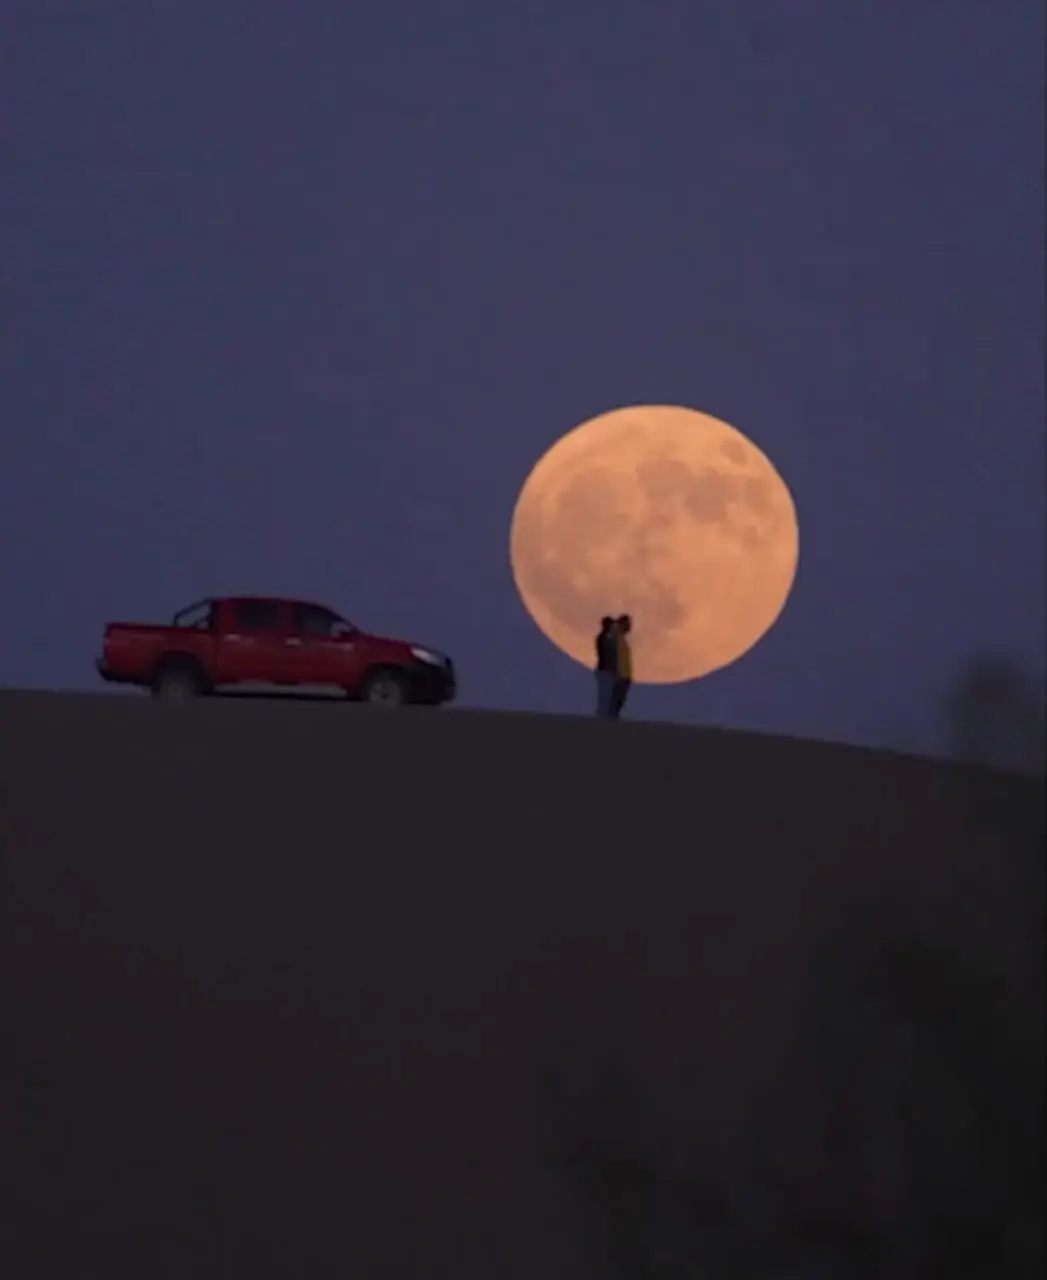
[(292, 640)]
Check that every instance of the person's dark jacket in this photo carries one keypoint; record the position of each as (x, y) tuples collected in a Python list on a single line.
[(607, 651)]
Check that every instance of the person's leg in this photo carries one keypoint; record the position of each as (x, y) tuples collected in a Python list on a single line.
[(621, 694), (616, 699), (604, 693)]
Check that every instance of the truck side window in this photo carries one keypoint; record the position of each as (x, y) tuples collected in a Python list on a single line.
[(257, 615), (313, 620)]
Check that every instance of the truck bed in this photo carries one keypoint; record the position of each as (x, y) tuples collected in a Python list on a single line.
[(130, 649)]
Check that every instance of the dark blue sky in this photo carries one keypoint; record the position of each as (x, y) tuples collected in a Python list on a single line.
[(295, 294)]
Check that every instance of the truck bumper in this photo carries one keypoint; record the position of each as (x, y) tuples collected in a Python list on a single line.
[(433, 684), (110, 676)]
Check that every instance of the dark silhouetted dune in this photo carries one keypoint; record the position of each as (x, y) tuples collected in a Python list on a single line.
[(301, 990)]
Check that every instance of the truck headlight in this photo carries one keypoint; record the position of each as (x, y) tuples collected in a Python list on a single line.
[(427, 655)]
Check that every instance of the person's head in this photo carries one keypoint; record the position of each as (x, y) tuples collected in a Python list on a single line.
[(625, 623), (606, 623)]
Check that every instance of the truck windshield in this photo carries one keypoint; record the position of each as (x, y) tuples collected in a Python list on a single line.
[(341, 626), (198, 616)]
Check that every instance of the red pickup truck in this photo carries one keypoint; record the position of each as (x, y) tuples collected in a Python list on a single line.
[(216, 645)]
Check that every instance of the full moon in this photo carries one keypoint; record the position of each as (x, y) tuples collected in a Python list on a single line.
[(664, 513)]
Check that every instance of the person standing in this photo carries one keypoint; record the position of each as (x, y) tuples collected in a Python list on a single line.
[(623, 681), (606, 667)]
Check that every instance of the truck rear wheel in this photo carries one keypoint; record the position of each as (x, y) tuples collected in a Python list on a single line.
[(178, 682), (385, 689)]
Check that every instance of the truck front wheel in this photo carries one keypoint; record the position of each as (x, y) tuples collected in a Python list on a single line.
[(385, 689), (178, 682)]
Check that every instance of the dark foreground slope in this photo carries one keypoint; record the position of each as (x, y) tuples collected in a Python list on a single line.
[(306, 990)]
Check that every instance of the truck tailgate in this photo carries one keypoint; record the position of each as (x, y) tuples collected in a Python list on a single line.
[(130, 648)]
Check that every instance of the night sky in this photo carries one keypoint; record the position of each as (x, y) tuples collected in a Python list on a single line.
[(295, 294)]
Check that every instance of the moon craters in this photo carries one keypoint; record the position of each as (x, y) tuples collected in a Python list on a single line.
[(665, 513)]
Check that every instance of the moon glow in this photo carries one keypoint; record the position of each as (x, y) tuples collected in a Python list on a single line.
[(664, 513)]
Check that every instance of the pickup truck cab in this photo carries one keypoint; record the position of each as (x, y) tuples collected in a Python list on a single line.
[(240, 642)]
